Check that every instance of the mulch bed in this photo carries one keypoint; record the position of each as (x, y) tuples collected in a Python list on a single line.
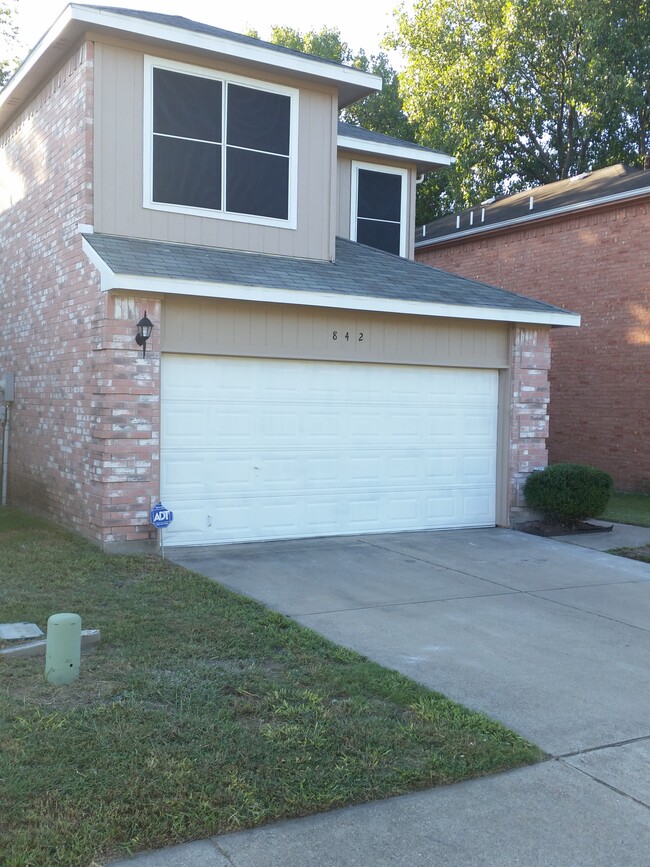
[(549, 528)]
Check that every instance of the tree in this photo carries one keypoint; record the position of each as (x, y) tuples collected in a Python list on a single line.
[(618, 34), (519, 90), (382, 112), (8, 40)]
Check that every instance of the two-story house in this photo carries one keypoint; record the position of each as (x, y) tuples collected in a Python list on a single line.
[(304, 376)]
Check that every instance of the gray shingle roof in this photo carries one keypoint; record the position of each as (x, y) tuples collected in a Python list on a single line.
[(357, 271), (209, 30), (580, 190)]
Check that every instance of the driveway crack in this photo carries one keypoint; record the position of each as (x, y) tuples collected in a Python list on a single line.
[(536, 593), (606, 785), (398, 604), (603, 747)]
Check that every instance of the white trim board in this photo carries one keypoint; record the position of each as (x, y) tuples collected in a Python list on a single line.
[(393, 151)]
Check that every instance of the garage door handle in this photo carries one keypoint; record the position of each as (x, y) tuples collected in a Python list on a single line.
[(209, 520)]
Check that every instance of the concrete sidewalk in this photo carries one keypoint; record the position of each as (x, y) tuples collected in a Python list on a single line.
[(551, 638)]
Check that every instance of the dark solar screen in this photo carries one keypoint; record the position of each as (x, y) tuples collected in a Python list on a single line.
[(257, 184), (186, 173), (382, 236), (186, 105), (258, 120), (379, 195)]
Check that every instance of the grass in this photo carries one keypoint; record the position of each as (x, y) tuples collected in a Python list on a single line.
[(628, 509), (642, 553), (201, 712)]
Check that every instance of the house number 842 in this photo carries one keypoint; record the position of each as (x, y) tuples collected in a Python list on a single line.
[(346, 336)]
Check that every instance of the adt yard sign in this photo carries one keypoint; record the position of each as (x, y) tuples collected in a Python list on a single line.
[(161, 517)]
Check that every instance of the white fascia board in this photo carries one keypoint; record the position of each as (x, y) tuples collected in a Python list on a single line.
[(235, 292), (306, 65), (400, 152), (106, 274), (75, 20), (7, 94), (532, 217)]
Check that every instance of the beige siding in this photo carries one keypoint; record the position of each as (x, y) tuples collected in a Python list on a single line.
[(119, 178), (282, 331), (345, 160)]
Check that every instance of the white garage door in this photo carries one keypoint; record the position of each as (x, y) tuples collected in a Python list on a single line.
[(273, 449)]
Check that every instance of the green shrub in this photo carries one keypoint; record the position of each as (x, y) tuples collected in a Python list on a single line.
[(568, 493)]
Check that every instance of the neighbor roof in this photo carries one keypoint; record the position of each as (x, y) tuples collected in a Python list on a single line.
[(582, 191), (360, 278)]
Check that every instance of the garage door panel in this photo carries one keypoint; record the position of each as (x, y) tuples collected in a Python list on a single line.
[(277, 449)]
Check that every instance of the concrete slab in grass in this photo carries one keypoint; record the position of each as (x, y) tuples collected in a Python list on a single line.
[(564, 678), (18, 631), (545, 816), (306, 576)]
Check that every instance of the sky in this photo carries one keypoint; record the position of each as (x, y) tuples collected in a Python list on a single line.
[(359, 27)]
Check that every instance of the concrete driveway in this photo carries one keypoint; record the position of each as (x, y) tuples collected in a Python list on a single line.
[(550, 638)]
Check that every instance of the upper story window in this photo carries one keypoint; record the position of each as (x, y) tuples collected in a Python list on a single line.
[(379, 207), (220, 146)]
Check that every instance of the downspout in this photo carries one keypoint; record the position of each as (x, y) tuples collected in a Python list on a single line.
[(5, 454), (7, 392)]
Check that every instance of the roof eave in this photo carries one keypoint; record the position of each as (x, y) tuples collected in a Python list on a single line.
[(161, 285), (426, 162), (75, 21)]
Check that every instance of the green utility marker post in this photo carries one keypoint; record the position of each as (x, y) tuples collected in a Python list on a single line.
[(63, 651)]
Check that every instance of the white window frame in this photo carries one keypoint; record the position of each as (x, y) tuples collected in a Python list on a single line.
[(354, 198), (151, 63)]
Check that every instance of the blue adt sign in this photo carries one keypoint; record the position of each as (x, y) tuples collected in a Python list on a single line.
[(161, 517)]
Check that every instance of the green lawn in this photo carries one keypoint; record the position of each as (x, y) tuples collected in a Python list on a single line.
[(628, 509), (201, 712)]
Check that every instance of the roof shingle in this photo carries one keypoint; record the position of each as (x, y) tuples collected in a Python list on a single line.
[(357, 271)]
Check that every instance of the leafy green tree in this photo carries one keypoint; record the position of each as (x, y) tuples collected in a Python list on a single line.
[(524, 92), (382, 112), (8, 40), (618, 40)]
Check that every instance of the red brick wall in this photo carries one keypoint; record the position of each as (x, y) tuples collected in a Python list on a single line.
[(84, 424), (596, 264)]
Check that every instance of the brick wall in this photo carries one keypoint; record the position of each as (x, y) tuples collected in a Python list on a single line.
[(531, 360), (596, 264), (84, 424)]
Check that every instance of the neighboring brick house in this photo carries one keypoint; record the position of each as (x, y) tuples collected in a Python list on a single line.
[(581, 244), (295, 383)]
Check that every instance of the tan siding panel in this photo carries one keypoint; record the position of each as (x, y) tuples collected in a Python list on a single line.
[(119, 170), (345, 187), (281, 331)]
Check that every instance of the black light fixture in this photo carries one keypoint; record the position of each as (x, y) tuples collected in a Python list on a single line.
[(145, 327)]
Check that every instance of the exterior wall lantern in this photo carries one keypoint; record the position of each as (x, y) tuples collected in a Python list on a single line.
[(145, 327)]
